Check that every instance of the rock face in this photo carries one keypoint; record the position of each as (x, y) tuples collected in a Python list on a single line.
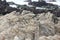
[(29, 26)]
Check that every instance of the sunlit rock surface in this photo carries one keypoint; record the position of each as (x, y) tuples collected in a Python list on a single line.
[(29, 26)]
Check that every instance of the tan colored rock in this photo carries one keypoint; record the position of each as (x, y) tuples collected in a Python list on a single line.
[(28, 26), (55, 37), (17, 25)]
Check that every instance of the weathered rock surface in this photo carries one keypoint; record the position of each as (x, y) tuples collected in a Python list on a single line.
[(56, 37), (29, 26)]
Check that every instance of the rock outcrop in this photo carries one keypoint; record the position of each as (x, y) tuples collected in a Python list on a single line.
[(29, 26)]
